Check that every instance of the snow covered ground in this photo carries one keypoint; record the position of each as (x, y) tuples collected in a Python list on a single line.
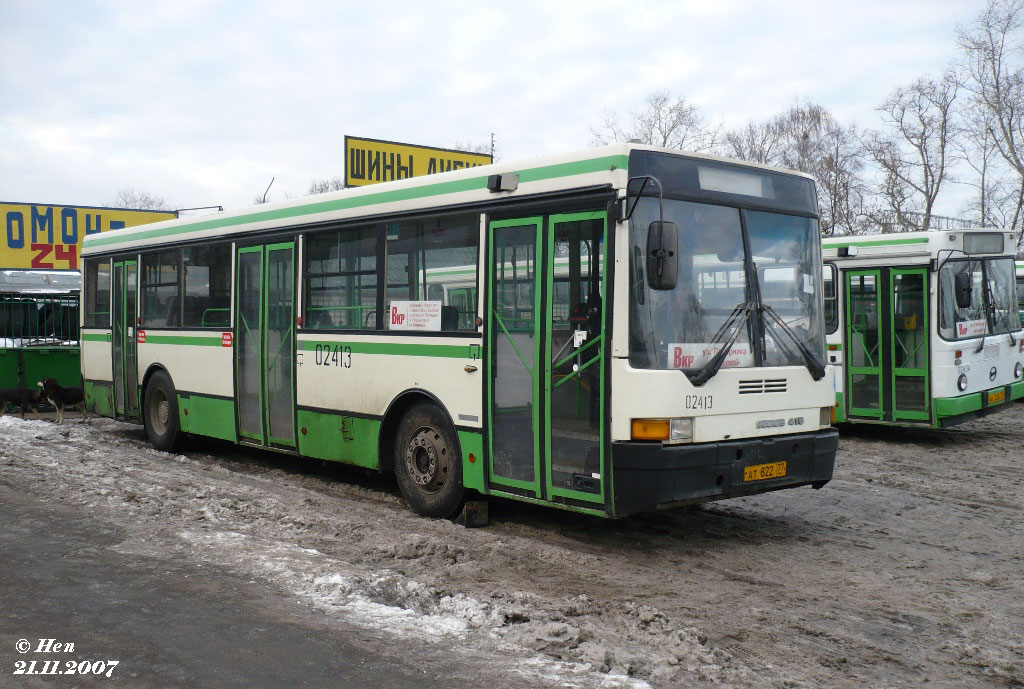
[(905, 570)]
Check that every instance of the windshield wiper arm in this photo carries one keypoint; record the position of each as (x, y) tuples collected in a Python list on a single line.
[(712, 365), (1005, 321), (815, 367)]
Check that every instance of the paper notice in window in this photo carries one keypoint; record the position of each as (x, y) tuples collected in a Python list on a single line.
[(971, 328), (808, 284), (696, 354), (415, 315)]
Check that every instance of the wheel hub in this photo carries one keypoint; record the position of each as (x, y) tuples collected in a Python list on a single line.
[(160, 412), (426, 460)]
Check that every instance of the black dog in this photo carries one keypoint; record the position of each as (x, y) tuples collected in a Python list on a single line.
[(61, 398), (26, 398)]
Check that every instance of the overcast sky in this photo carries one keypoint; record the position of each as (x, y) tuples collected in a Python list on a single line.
[(203, 102)]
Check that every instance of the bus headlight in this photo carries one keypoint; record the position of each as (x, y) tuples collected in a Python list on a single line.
[(665, 430), (828, 416), (1018, 370), (961, 382), (681, 431)]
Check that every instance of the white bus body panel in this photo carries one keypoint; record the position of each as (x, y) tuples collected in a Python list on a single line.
[(660, 394)]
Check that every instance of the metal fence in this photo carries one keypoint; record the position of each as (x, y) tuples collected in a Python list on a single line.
[(31, 320)]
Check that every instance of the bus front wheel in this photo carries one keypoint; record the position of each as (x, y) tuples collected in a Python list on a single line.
[(160, 412), (427, 462)]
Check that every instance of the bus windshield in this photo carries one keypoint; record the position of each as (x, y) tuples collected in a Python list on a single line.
[(1020, 292), (780, 319), (993, 307)]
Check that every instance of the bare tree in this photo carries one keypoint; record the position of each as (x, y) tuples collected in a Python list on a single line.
[(130, 197), (665, 120), (485, 147), (756, 142), (808, 138), (915, 155), (978, 149), (841, 186), (323, 186), (996, 84)]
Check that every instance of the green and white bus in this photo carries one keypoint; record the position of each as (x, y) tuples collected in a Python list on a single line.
[(924, 324), (592, 331)]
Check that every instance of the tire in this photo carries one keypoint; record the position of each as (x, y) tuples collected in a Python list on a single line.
[(428, 464), (160, 413)]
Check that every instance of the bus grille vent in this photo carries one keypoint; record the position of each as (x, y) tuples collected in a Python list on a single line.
[(757, 387)]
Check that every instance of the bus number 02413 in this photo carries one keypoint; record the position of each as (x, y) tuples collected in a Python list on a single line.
[(336, 355), (698, 401)]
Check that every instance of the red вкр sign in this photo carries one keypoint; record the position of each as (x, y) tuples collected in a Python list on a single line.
[(226, 339), (141, 338)]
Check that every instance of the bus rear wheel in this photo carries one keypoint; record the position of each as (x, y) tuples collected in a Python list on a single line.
[(427, 462), (160, 413)]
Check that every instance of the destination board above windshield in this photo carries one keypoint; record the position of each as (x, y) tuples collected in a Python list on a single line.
[(701, 179)]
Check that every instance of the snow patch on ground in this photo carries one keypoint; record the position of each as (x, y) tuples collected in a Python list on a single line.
[(894, 574)]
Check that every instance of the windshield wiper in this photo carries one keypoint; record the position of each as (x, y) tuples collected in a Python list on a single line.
[(712, 365), (1005, 321), (815, 367)]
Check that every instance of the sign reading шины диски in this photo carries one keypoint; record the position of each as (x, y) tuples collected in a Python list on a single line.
[(369, 161)]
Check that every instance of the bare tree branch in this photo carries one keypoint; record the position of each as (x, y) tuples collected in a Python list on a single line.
[(665, 120), (130, 197), (916, 154)]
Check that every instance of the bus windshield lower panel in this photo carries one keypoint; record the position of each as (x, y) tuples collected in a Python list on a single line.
[(720, 249)]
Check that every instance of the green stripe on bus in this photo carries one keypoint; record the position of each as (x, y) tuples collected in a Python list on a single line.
[(580, 167), (397, 349), (96, 337), (195, 340), (877, 242)]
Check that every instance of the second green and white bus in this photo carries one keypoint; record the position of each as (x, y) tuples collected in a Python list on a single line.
[(924, 325), (611, 331)]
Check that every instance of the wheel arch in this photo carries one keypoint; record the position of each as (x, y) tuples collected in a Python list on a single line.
[(393, 416), (153, 368)]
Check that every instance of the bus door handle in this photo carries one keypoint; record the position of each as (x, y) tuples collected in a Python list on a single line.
[(470, 368)]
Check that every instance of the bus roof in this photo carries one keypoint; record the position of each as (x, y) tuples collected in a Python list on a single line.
[(923, 245), (605, 166)]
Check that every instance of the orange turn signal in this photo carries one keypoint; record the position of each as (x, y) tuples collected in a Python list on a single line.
[(650, 429)]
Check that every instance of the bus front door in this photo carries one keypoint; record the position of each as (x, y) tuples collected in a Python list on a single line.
[(265, 345), (123, 343), (545, 326), (887, 332), (864, 345)]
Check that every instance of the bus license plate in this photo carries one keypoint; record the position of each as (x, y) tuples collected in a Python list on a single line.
[(997, 397), (760, 472)]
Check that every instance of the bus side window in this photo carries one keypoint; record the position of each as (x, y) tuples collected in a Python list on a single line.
[(435, 260), (341, 280)]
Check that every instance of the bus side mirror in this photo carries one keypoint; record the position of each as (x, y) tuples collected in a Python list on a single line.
[(962, 289), (662, 255)]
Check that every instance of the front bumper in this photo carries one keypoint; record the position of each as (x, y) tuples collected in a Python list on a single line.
[(651, 475), (950, 411)]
